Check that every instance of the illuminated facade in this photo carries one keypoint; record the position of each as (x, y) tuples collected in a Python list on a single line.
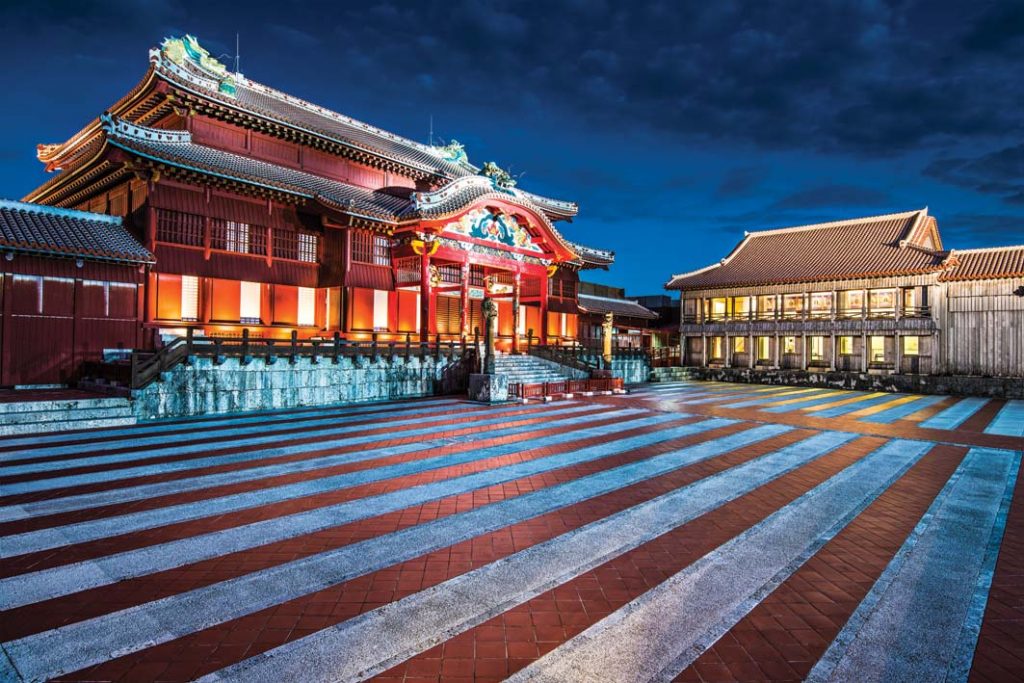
[(877, 294), (268, 213)]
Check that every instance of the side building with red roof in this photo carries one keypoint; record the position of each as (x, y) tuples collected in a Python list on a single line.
[(876, 295), (71, 289)]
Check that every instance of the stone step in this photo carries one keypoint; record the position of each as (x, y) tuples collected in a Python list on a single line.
[(60, 414), (63, 426), (7, 408)]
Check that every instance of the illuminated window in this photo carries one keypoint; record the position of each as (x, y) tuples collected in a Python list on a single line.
[(236, 237), (846, 346), (380, 310), (307, 247), (877, 349), (189, 298), (307, 302), (821, 303), (911, 346), (764, 348), (741, 306), (789, 344), (817, 348), (882, 300), (249, 302), (851, 302), (717, 347), (739, 344), (718, 308), (793, 304), (766, 306), (521, 328)]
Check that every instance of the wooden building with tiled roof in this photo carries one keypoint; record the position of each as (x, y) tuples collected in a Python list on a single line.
[(877, 294), (268, 213), (70, 289)]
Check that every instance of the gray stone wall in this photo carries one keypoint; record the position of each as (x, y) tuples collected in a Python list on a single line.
[(947, 385), (206, 388)]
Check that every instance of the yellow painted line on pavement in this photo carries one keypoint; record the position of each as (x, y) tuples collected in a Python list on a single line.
[(844, 402), (802, 398), (871, 410)]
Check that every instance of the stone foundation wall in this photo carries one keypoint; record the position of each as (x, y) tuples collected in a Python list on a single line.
[(206, 388), (948, 385), (631, 370)]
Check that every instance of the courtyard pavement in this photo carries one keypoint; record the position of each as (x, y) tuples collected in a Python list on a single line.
[(689, 531)]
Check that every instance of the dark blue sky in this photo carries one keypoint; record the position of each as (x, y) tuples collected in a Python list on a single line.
[(675, 125)]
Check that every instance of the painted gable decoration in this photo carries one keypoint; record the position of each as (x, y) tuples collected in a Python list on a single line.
[(500, 228), (178, 50)]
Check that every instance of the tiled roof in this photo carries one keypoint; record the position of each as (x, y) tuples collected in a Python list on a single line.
[(623, 307), (37, 229), (860, 247), (271, 104), (177, 148), (981, 264)]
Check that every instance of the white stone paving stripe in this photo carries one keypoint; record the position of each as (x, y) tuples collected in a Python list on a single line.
[(814, 393), (350, 651), (134, 471), (240, 438), (143, 491), (920, 621), (116, 525), (1009, 421), (204, 421), (660, 633), (66, 579), (82, 644), (213, 437), (955, 415)]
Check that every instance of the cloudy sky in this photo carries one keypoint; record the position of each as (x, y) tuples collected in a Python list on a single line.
[(675, 125)]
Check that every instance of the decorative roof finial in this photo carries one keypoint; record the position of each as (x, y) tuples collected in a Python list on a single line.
[(499, 176)]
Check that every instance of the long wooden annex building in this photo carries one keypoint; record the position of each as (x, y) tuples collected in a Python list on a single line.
[(877, 295), (267, 213)]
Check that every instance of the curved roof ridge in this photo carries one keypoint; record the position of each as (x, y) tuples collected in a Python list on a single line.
[(838, 224), (28, 207), (977, 250)]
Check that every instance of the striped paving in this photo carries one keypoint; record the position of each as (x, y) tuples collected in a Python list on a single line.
[(698, 531)]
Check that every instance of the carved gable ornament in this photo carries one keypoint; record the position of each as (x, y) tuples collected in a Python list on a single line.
[(500, 228), (180, 50)]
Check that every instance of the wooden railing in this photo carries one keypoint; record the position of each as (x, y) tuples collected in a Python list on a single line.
[(146, 367)]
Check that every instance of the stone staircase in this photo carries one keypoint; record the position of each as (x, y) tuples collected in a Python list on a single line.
[(673, 374), (61, 414), (525, 369)]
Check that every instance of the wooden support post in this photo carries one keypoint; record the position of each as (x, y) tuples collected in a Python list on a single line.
[(426, 300), (336, 347), (464, 301), (407, 347), (295, 347), (374, 356), (516, 314)]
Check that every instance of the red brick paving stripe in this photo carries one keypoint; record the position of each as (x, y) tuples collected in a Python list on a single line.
[(528, 631), (981, 419), (114, 544), (530, 418), (60, 519), (999, 655), (86, 604), (297, 440), (928, 411), (219, 646), (214, 435), (798, 418), (788, 632)]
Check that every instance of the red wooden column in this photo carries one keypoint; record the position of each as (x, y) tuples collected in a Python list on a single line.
[(543, 311), (464, 300), (427, 309), (517, 282)]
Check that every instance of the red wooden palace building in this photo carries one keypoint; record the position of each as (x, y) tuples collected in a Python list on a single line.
[(270, 213)]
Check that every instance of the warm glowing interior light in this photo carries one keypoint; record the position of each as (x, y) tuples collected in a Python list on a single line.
[(189, 297)]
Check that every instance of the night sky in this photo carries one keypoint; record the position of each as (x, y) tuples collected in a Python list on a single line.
[(676, 126)]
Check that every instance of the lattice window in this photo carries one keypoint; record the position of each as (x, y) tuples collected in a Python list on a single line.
[(175, 227), (308, 247), (476, 276), (368, 247), (450, 274), (286, 244), (236, 237)]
